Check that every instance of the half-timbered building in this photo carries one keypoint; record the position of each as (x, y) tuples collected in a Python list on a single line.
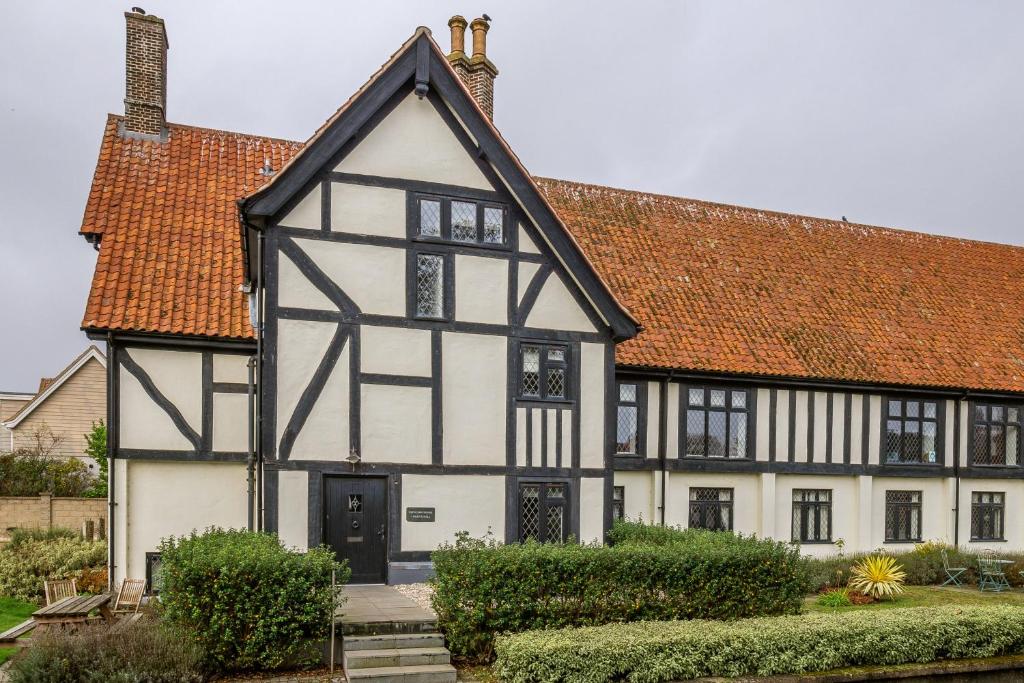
[(392, 332)]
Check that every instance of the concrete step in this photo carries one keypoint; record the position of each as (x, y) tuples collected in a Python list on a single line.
[(408, 656), (392, 640), (374, 628), (426, 673)]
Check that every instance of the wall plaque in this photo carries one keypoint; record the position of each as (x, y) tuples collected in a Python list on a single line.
[(419, 514)]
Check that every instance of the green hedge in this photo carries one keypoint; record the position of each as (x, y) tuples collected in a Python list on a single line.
[(625, 532), (680, 650), (249, 602), (33, 557), (483, 588)]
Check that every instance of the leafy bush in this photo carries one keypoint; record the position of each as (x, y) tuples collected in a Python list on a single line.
[(625, 532), (96, 448), (35, 469), (248, 601), (482, 588), (878, 576), (839, 597), (19, 536), (37, 557), (147, 652), (681, 650)]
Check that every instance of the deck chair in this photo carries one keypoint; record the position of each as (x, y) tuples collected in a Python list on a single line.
[(129, 596), (991, 576), (59, 590), (953, 573)]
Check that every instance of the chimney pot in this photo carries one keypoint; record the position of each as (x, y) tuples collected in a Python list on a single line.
[(458, 26), (479, 28), (145, 102), (477, 72)]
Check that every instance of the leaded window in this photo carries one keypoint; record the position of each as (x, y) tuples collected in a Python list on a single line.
[(619, 502), (460, 220), (429, 286), (543, 512), (902, 516), (987, 512), (629, 419), (996, 435), (911, 431), (544, 372), (812, 515), (711, 509), (716, 422)]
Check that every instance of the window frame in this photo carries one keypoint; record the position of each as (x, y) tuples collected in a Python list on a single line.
[(973, 423), (706, 505), (939, 420), (445, 238), (618, 503), (565, 503), (1000, 507), (640, 404), (447, 285), (814, 505), (568, 365), (153, 560), (915, 510), (749, 410)]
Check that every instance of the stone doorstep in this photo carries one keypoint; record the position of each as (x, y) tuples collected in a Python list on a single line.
[(428, 673), (392, 640), (375, 628), (406, 656)]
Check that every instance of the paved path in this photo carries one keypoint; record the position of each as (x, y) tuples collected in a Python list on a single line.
[(369, 604)]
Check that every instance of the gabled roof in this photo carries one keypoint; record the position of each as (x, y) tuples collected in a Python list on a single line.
[(716, 288), (50, 387)]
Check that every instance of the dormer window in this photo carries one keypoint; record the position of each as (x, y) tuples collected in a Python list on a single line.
[(460, 220)]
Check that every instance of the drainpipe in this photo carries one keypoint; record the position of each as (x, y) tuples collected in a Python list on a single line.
[(112, 428), (259, 377), (956, 471), (251, 458), (663, 438)]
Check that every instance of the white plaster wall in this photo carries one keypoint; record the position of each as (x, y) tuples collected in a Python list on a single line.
[(295, 290), (820, 425), (526, 243), (119, 467), (838, 426), (305, 214), (856, 428), (592, 405), (1013, 529), (763, 417), (175, 498), (394, 351), (373, 277), (746, 494), (555, 309), (395, 424), (367, 210), (142, 423), (293, 508), (521, 437), (672, 434), (481, 289), (653, 417), (964, 431), (231, 367), (325, 434), (301, 346), (527, 271), (640, 490), (844, 510), (782, 424), (566, 437), (473, 503), (800, 435), (414, 142), (936, 509), (474, 379), (591, 509), (178, 375), (231, 422), (875, 426)]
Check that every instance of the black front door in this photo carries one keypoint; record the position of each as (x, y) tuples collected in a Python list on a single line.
[(356, 523)]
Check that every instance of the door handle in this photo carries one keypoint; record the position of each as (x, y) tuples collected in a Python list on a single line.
[(380, 532)]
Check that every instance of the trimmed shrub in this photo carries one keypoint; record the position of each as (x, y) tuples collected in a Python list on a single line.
[(33, 558), (681, 650), (626, 532), (246, 600), (835, 598), (148, 652), (482, 588)]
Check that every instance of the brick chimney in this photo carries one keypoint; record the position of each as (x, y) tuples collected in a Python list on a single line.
[(476, 71), (145, 97)]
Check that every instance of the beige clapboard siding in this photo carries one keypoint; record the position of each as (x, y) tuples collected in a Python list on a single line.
[(69, 411)]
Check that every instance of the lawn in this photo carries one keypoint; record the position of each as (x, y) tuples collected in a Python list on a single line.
[(12, 613), (929, 596)]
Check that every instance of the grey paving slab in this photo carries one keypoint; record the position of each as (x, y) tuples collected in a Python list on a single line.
[(368, 604)]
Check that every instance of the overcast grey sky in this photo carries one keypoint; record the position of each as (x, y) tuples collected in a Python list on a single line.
[(900, 113)]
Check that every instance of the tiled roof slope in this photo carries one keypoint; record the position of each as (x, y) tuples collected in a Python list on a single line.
[(729, 289), (171, 255), (717, 288)]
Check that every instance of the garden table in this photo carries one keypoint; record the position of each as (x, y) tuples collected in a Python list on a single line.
[(74, 610), (991, 574)]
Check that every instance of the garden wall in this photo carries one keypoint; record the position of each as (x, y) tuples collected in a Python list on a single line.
[(45, 511)]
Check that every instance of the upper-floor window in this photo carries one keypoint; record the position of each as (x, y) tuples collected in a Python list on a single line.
[(902, 516), (911, 432), (711, 509), (461, 220), (716, 422), (996, 435), (544, 371), (812, 515), (987, 508), (630, 418), (430, 301)]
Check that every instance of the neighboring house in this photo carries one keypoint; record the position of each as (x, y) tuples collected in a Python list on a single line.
[(441, 342), (66, 406), (10, 403)]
